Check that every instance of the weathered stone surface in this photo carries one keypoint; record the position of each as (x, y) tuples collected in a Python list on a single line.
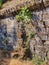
[(47, 30), (38, 1), (11, 30), (38, 40), (46, 15), (48, 36), (43, 36), (46, 2), (48, 55), (18, 32), (40, 24), (46, 44), (32, 45), (18, 4)]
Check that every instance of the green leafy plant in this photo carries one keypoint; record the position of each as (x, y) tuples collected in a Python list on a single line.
[(32, 34), (24, 14), (0, 4), (37, 61)]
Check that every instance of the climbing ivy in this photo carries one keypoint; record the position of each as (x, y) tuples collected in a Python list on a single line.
[(24, 14)]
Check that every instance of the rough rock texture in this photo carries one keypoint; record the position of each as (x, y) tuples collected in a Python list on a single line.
[(17, 32), (14, 5)]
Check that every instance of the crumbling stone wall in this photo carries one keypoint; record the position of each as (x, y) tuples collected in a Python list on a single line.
[(39, 44), (17, 31)]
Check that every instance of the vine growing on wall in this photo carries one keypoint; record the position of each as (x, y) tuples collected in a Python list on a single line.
[(24, 14)]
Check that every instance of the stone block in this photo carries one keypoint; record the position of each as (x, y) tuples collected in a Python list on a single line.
[(38, 1), (46, 2), (37, 15), (46, 15), (19, 33), (40, 24), (43, 30), (46, 45), (43, 37), (48, 55), (38, 29), (38, 40), (47, 23), (20, 41), (47, 30), (40, 50), (48, 36), (32, 44)]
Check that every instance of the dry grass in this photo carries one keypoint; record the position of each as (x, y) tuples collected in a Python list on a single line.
[(14, 62), (18, 62)]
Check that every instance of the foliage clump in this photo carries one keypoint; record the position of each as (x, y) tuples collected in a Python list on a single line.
[(24, 14), (38, 61), (32, 34), (0, 4)]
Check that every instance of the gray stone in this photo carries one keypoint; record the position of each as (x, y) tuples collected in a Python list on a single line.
[(46, 16), (32, 45), (38, 40), (40, 24), (46, 45), (47, 30), (48, 36), (38, 1), (38, 49), (46, 2), (48, 55), (37, 15), (43, 37), (43, 30), (47, 23)]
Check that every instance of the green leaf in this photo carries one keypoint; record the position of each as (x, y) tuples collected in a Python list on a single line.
[(32, 34), (25, 15), (0, 4)]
